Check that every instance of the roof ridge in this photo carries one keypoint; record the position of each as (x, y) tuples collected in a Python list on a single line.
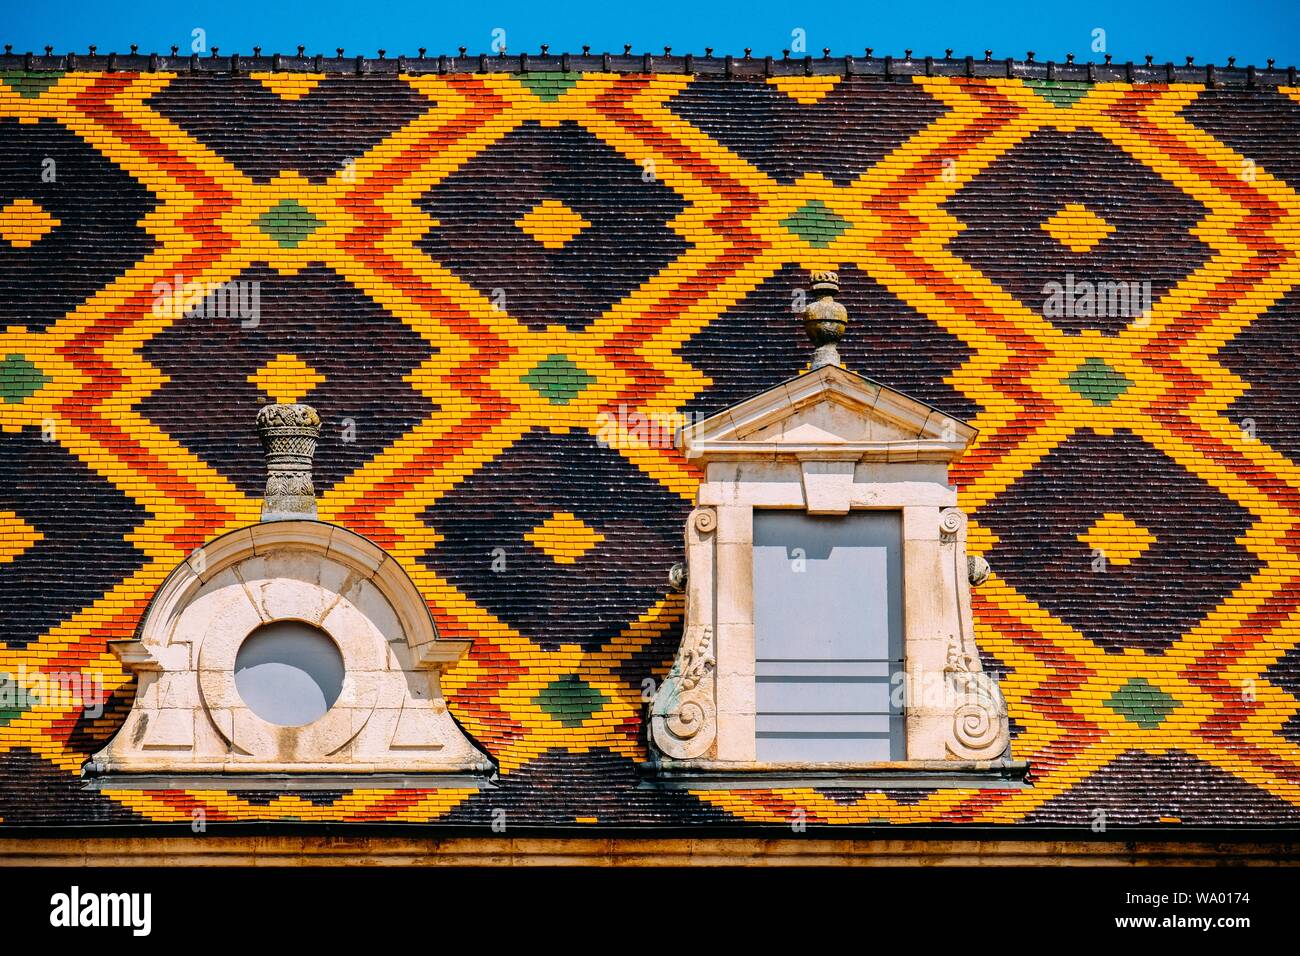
[(746, 66)]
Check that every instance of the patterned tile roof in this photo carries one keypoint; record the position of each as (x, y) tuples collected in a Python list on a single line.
[(503, 290)]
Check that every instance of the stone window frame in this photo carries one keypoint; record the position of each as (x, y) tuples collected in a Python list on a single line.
[(829, 442), (390, 726)]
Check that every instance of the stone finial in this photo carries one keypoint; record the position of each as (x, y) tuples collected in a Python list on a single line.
[(825, 319), (289, 434)]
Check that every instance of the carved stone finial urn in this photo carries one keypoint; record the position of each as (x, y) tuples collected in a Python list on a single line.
[(289, 434), (825, 319)]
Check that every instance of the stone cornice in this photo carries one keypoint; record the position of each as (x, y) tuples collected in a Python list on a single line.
[(343, 846)]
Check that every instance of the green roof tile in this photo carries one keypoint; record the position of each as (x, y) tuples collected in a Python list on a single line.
[(1098, 382), (1143, 703)]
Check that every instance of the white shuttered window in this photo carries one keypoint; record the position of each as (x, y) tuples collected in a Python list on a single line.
[(828, 631)]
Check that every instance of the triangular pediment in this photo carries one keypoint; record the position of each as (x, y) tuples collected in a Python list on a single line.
[(829, 412)]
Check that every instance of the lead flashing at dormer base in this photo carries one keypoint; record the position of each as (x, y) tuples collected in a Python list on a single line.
[(94, 779), (894, 775)]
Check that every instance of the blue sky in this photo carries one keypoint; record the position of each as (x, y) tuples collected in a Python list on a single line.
[(1252, 30)]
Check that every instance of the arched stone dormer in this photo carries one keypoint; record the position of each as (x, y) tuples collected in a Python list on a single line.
[(189, 716)]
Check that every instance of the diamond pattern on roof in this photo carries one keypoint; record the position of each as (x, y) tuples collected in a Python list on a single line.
[(425, 309)]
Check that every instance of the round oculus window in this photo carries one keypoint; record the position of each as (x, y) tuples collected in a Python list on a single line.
[(289, 673)]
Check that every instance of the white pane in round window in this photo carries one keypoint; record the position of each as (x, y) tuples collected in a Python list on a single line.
[(289, 673)]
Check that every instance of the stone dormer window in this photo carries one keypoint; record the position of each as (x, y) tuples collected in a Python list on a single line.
[(292, 653), (828, 637)]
